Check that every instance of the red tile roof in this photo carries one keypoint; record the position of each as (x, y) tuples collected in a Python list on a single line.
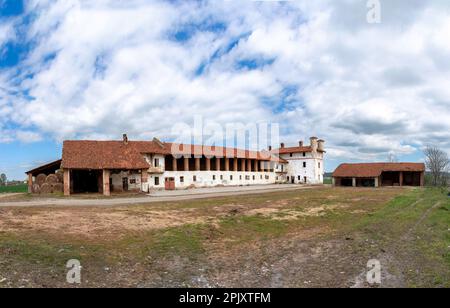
[(83, 154), (290, 150), (369, 170)]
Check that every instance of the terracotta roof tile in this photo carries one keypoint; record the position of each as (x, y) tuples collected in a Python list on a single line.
[(375, 169), (84, 154)]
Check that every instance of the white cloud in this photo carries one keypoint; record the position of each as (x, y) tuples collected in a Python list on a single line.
[(102, 68)]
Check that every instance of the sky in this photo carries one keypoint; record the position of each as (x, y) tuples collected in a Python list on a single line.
[(76, 69)]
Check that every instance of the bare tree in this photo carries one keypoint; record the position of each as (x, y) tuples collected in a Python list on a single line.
[(437, 163)]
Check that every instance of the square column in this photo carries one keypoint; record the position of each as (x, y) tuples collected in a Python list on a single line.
[(256, 167), (227, 164), (243, 164), (197, 164), (377, 182), (106, 190), (217, 164), (30, 183), (208, 164), (174, 163), (249, 165), (186, 164), (401, 179), (235, 165), (354, 182), (67, 189)]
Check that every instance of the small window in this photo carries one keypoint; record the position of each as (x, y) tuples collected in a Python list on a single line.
[(157, 181), (221, 177), (267, 177), (304, 164), (157, 162), (290, 155), (299, 178), (304, 154), (319, 165), (195, 178), (240, 177), (231, 178), (132, 181), (214, 177), (182, 179), (254, 178), (261, 177)]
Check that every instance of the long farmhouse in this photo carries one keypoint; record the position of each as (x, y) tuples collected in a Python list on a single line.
[(118, 166)]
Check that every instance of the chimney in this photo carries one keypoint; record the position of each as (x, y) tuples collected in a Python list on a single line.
[(125, 139), (321, 145), (314, 144), (282, 145), (270, 148), (300, 143)]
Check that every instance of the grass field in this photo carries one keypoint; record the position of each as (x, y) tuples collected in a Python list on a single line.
[(310, 238), (14, 189)]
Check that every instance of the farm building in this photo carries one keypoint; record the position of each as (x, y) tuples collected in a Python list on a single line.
[(118, 166), (379, 174)]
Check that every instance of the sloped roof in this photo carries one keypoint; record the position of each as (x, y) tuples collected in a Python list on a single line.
[(83, 154), (53, 166), (375, 169)]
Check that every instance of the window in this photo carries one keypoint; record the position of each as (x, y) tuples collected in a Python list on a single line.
[(260, 177), (288, 178), (304, 154), (299, 178), (319, 165), (182, 179), (195, 178), (156, 162), (254, 178), (132, 181), (304, 164), (290, 155), (240, 177), (247, 178), (214, 177), (267, 177), (221, 177), (157, 181), (231, 178)]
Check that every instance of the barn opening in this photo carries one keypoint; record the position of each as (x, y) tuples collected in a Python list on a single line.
[(347, 182), (365, 182), (86, 181)]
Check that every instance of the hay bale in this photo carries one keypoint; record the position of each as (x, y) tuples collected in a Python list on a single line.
[(60, 176), (40, 179), (51, 179), (46, 188), (36, 189), (58, 188)]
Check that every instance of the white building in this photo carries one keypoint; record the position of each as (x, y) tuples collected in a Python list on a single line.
[(117, 166)]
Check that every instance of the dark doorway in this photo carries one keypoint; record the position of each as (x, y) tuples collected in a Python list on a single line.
[(86, 181), (125, 184), (365, 182), (347, 182), (390, 178)]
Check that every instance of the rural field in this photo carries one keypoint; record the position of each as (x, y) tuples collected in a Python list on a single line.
[(306, 238)]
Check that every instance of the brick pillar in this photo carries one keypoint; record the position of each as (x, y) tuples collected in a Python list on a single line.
[(249, 165), (401, 179), (227, 164), (208, 164), (30, 183), (174, 164), (217, 164), (186, 164), (106, 190), (66, 182), (235, 165), (243, 164), (197, 164), (256, 165)]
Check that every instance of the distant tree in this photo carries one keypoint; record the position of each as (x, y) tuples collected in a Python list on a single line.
[(3, 179), (392, 158), (438, 163)]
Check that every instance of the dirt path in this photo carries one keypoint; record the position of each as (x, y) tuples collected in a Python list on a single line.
[(191, 195)]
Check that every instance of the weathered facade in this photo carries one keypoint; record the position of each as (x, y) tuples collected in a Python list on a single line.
[(380, 174), (117, 166)]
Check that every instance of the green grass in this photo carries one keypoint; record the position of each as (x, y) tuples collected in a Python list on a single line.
[(328, 181), (23, 188)]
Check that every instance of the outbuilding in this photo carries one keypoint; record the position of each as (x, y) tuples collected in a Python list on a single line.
[(379, 174)]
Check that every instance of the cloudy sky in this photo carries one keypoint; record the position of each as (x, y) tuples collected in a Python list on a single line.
[(84, 69)]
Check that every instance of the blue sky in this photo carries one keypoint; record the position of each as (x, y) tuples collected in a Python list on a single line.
[(78, 69)]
